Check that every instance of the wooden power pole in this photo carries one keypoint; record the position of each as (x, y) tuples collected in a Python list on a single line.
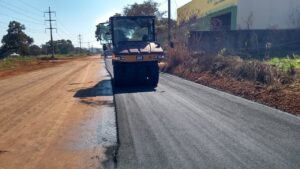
[(79, 38), (169, 25)]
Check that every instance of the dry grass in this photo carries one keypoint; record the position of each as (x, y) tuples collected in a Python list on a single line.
[(14, 62), (181, 60), (12, 66), (176, 57), (11, 63)]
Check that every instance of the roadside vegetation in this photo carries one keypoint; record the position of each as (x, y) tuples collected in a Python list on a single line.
[(286, 64), (15, 65), (13, 62)]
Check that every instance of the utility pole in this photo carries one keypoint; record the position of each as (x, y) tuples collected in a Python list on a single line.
[(79, 38), (51, 29), (169, 24)]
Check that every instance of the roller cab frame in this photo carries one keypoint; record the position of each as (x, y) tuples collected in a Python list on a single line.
[(135, 53)]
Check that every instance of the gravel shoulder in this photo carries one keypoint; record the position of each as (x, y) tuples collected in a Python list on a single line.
[(57, 117)]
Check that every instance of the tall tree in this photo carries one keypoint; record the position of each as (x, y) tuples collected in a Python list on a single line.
[(151, 8), (146, 8), (61, 46), (16, 40), (35, 50), (102, 30)]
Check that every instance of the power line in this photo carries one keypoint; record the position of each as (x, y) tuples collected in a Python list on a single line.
[(90, 41), (4, 27), (50, 20), (1, 22), (22, 9), (31, 6), (34, 30), (65, 32), (63, 26), (18, 19), (59, 36), (27, 29), (21, 13)]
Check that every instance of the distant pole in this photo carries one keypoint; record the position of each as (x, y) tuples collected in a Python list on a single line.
[(89, 47), (79, 38), (169, 24), (51, 29)]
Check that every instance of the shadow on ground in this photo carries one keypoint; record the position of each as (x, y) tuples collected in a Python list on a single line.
[(96, 103), (103, 88), (133, 89)]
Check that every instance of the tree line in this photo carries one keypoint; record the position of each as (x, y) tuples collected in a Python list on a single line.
[(17, 42)]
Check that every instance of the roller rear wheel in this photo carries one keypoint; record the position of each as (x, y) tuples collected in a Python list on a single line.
[(136, 74)]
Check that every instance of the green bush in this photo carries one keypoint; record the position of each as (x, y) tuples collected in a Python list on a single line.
[(285, 64)]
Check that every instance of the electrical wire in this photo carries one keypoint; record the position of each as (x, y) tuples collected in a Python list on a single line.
[(27, 29), (21, 13), (1, 22), (18, 19), (64, 30), (59, 36), (21, 9), (34, 30), (90, 41), (31, 6)]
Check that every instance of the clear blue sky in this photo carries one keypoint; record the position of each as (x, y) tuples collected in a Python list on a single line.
[(73, 16)]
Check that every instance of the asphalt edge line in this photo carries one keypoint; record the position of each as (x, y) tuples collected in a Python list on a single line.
[(289, 115), (114, 150)]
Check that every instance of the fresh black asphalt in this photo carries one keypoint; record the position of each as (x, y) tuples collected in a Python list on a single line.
[(184, 125)]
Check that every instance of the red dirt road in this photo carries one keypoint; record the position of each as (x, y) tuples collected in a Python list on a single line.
[(42, 124)]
